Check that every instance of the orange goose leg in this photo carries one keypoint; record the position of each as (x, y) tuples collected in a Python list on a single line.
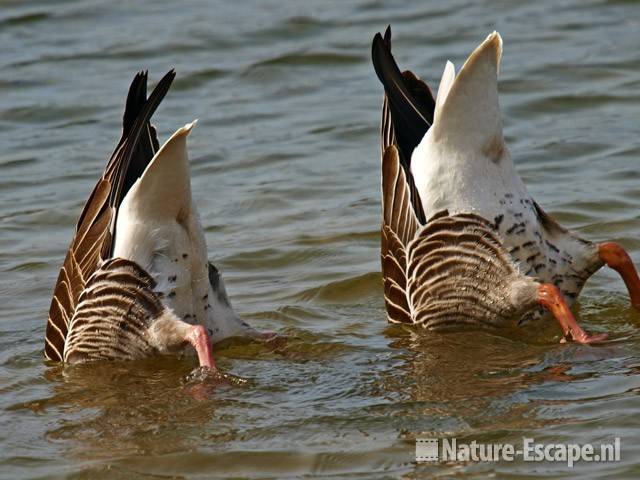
[(550, 297), (198, 337), (617, 258)]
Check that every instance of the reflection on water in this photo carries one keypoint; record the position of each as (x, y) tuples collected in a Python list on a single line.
[(285, 164)]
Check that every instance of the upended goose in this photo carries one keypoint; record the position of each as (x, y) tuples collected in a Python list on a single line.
[(463, 242), (136, 280)]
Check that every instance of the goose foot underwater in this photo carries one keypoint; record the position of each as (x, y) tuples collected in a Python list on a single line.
[(463, 242), (136, 280)]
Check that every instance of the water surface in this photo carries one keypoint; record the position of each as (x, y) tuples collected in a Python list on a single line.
[(285, 167)]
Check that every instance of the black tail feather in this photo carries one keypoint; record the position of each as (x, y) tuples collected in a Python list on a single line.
[(135, 101), (410, 100), (148, 143), (137, 147), (131, 158), (387, 36)]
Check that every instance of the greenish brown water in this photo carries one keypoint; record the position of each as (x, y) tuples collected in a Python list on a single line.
[(286, 175)]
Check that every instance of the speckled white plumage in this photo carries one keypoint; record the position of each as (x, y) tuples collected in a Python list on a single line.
[(159, 228), (463, 165)]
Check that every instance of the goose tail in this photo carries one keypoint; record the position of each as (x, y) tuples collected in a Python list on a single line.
[(409, 101), (467, 112), (164, 188)]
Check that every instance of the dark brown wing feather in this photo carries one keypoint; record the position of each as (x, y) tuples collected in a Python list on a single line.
[(121, 166), (389, 139), (399, 226), (148, 143), (407, 110), (113, 315), (409, 99), (93, 239)]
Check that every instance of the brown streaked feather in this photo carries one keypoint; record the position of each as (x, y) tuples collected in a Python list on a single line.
[(94, 206), (95, 230), (389, 139), (460, 274), (397, 210), (114, 312), (87, 251), (399, 226)]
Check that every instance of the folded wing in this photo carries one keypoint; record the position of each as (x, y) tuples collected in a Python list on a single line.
[(407, 110), (399, 226), (93, 240)]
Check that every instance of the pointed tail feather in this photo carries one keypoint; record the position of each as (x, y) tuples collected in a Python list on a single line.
[(410, 101), (468, 115), (164, 188), (118, 167), (148, 143), (136, 98)]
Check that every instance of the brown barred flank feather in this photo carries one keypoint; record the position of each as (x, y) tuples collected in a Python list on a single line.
[(113, 315), (459, 274)]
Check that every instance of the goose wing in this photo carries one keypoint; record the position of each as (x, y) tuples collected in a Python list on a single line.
[(95, 230), (407, 110), (399, 227)]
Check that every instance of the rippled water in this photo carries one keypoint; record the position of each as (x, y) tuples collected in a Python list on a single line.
[(286, 174)]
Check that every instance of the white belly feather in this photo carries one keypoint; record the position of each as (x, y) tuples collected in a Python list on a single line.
[(159, 228)]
